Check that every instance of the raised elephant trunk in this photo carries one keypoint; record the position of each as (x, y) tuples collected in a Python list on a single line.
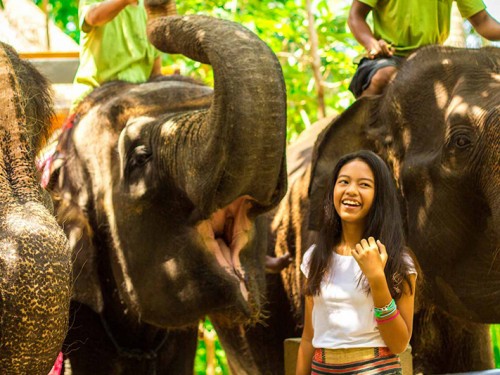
[(34, 254), (248, 111)]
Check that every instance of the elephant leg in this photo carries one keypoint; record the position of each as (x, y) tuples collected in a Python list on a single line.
[(442, 344)]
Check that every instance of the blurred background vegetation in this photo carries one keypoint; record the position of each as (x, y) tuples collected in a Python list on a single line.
[(328, 47), (283, 26)]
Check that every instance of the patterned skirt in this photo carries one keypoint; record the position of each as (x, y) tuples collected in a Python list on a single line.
[(366, 361)]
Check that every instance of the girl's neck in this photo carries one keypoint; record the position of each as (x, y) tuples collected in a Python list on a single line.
[(351, 235)]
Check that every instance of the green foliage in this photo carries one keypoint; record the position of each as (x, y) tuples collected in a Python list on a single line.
[(282, 24), (64, 13), (495, 338), (200, 363)]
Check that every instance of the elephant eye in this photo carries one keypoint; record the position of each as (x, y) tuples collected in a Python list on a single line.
[(139, 157), (136, 165), (461, 141)]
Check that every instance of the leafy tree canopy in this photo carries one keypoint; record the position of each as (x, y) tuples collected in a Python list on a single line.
[(282, 24)]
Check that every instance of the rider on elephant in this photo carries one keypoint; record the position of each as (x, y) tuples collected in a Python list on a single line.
[(400, 27), (114, 45)]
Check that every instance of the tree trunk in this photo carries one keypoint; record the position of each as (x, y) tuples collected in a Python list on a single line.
[(316, 63)]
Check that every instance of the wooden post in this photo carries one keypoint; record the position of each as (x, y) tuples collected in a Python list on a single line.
[(209, 339), (292, 347)]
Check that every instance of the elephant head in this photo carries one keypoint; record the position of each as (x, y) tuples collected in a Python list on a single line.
[(163, 181), (34, 254)]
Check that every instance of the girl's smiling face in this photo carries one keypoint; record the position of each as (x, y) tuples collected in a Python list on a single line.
[(354, 192)]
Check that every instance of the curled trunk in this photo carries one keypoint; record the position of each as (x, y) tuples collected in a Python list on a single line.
[(248, 110)]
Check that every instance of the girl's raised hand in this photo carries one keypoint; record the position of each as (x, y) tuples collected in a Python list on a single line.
[(371, 256)]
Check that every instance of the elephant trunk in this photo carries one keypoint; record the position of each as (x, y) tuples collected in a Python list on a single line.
[(34, 255), (243, 133)]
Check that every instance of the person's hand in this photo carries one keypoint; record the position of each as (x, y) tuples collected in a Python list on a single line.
[(371, 256), (275, 265), (379, 48)]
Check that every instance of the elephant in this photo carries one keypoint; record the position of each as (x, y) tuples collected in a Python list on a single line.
[(437, 126), (35, 263), (160, 188)]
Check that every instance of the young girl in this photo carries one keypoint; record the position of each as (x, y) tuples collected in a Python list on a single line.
[(360, 278)]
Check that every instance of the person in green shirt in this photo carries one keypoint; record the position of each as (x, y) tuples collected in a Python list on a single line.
[(402, 26), (113, 45)]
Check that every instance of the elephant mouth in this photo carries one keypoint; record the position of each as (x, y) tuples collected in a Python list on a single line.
[(225, 234)]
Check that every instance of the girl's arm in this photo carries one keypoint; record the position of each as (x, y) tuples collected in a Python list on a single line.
[(306, 350), (395, 330)]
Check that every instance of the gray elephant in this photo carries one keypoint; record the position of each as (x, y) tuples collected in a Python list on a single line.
[(35, 264), (160, 190), (438, 128)]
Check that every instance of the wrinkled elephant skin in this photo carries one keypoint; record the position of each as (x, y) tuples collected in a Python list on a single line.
[(35, 264), (160, 195)]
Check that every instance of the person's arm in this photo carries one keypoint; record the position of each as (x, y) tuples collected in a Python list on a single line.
[(362, 32), (485, 25), (306, 349), (101, 13), (156, 71), (396, 332)]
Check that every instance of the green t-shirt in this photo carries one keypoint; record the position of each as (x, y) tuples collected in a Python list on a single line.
[(117, 50), (409, 24)]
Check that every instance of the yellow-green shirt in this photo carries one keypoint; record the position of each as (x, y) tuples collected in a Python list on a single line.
[(117, 50), (409, 24)]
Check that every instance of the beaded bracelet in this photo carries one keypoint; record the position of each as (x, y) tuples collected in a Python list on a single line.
[(382, 321), (387, 310)]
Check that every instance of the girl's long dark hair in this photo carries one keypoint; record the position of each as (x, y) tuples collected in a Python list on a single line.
[(384, 223)]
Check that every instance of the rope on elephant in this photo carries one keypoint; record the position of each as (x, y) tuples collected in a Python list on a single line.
[(46, 160), (135, 353), (58, 365)]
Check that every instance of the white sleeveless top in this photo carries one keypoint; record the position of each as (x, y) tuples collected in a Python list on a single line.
[(342, 315)]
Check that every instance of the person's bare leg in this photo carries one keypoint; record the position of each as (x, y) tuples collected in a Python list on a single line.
[(380, 80)]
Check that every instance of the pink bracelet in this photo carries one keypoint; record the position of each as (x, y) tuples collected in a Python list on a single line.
[(381, 321)]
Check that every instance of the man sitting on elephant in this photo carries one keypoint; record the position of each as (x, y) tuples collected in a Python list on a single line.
[(398, 32), (114, 45)]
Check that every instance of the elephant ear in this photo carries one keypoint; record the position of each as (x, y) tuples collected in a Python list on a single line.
[(70, 197), (355, 129)]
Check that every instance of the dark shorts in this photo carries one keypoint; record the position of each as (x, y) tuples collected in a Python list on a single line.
[(366, 70)]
